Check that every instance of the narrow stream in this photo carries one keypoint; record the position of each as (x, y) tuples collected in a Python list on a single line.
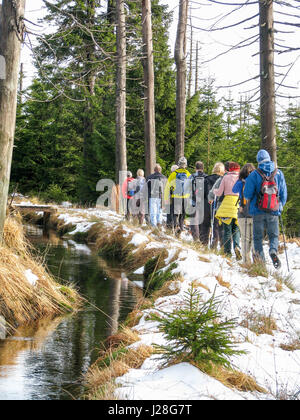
[(47, 361)]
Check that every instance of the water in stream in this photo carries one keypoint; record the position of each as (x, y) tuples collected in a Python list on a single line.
[(47, 361)]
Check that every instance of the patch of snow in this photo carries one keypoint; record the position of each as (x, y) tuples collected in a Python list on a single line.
[(31, 278), (138, 239)]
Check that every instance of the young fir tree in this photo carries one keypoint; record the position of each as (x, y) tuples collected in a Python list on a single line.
[(196, 332)]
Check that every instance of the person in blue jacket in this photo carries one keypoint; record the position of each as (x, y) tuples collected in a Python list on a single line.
[(261, 219)]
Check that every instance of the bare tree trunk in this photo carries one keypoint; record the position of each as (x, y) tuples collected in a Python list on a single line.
[(121, 151), (191, 60), (197, 67), (267, 79), (11, 35), (180, 60), (149, 104)]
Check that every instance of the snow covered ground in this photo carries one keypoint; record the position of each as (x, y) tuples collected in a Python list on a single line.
[(272, 360)]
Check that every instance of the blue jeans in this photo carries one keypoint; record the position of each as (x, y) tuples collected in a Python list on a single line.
[(271, 224), (231, 235), (155, 211)]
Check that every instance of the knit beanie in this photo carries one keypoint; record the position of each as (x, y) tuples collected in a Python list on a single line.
[(182, 162), (263, 156), (233, 166)]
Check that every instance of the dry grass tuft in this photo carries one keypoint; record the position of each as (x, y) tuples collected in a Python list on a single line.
[(20, 302), (222, 282), (239, 381), (125, 337), (100, 380), (232, 378), (142, 255), (259, 323), (292, 346), (115, 243), (197, 283), (95, 232), (168, 289)]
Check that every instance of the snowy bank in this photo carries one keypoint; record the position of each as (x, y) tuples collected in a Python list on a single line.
[(266, 308)]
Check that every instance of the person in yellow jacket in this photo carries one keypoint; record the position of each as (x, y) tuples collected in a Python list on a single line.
[(227, 213), (176, 189)]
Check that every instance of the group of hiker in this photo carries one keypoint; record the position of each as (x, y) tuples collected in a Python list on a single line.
[(231, 208)]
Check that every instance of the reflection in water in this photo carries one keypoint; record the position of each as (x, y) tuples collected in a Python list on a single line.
[(48, 360)]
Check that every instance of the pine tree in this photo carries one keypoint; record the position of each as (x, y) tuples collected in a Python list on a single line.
[(195, 332)]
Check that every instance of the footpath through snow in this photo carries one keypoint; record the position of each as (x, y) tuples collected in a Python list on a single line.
[(273, 360)]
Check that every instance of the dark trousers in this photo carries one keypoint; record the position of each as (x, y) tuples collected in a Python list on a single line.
[(231, 236), (170, 215), (179, 213)]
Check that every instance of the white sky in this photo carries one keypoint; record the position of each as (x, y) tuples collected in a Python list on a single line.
[(229, 69)]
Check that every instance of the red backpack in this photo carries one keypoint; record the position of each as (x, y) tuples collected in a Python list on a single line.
[(268, 200)]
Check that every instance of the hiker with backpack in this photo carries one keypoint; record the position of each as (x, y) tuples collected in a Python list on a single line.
[(228, 211), (266, 189), (177, 183), (155, 185), (244, 218), (138, 200), (196, 189), (211, 203), (170, 205), (128, 191)]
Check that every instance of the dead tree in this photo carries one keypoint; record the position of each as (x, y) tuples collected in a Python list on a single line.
[(121, 150), (149, 103), (180, 60), (267, 78), (11, 37)]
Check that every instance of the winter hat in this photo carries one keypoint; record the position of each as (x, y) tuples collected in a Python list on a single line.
[(182, 162), (233, 166), (174, 168), (263, 156)]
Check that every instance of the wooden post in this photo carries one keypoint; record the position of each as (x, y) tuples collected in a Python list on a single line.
[(267, 78), (11, 36), (180, 60), (149, 105)]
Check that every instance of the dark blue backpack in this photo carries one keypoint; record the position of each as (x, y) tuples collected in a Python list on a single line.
[(181, 178)]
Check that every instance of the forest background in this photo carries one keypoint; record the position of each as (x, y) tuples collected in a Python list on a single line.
[(65, 137)]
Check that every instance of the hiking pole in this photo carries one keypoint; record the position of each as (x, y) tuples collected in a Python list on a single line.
[(212, 215), (285, 250)]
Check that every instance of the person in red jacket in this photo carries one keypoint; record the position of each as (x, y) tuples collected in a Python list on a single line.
[(128, 191)]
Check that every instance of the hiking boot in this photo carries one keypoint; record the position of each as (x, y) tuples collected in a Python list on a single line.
[(238, 254), (275, 260)]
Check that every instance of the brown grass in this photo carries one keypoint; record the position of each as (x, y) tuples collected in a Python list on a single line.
[(20, 302), (222, 282), (114, 243), (259, 323), (142, 255), (292, 346), (101, 380)]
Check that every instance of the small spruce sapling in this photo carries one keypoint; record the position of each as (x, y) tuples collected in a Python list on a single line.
[(196, 333)]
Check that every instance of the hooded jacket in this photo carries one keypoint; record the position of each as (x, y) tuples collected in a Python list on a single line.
[(254, 181)]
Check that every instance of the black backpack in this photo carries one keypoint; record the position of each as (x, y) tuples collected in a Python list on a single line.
[(200, 175)]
